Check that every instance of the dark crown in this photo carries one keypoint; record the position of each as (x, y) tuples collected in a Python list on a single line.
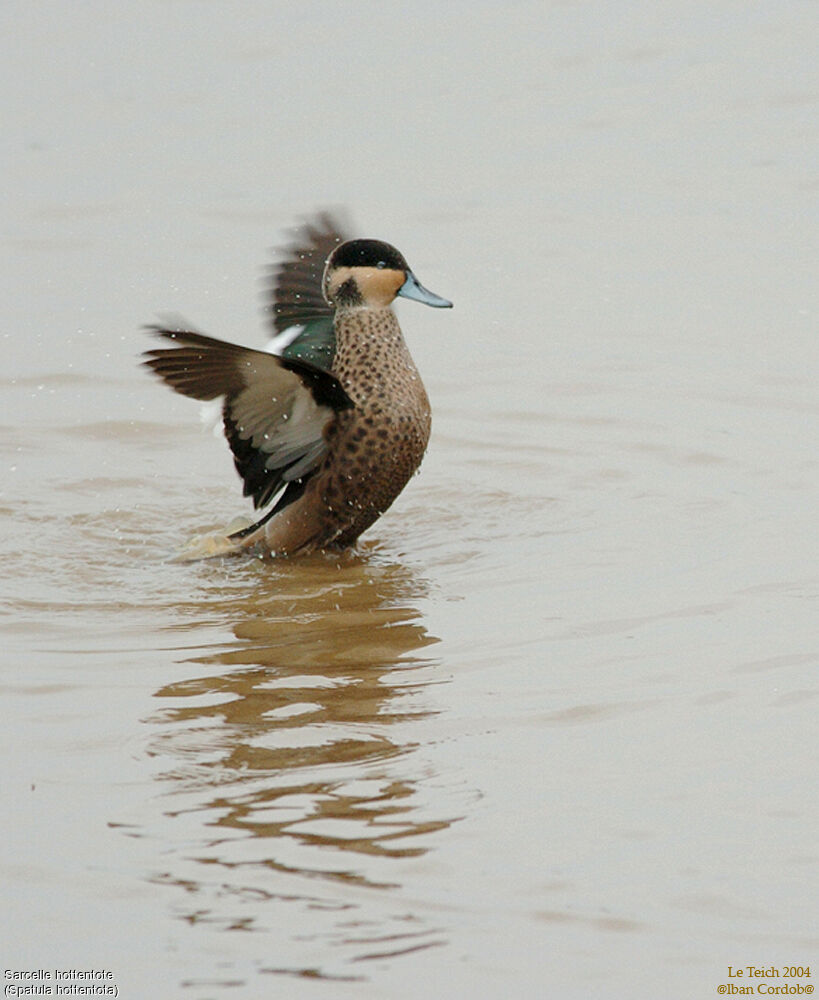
[(367, 253)]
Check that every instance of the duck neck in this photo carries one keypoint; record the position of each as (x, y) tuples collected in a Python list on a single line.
[(365, 330), (370, 353)]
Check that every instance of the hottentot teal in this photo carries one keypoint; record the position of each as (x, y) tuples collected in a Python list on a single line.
[(328, 431)]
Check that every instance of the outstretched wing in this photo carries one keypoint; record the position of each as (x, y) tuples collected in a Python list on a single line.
[(295, 305), (275, 410)]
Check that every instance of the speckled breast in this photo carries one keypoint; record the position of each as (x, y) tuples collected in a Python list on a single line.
[(377, 446)]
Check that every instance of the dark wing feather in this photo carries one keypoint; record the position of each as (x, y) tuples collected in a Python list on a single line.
[(275, 410), (293, 294)]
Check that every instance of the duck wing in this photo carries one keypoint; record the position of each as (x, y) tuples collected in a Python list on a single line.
[(275, 410), (295, 306)]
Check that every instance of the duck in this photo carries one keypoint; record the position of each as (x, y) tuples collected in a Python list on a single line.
[(329, 424)]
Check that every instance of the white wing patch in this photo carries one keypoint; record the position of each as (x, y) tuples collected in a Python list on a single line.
[(280, 341)]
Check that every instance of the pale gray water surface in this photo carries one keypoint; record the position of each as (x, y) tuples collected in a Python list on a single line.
[(550, 731)]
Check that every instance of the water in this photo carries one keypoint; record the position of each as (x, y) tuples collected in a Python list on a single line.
[(550, 729)]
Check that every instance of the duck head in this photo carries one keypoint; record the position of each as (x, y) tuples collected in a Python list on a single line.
[(370, 274)]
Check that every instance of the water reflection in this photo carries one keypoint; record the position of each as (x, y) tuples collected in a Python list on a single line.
[(296, 757)]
